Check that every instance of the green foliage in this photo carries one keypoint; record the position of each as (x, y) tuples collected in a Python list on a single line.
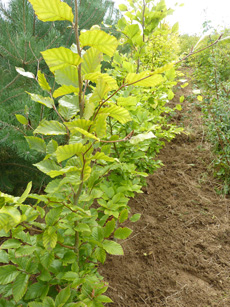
[(96, 146), (211, 71), (22, 38)]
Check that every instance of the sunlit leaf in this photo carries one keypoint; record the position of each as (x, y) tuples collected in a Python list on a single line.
[(67, 76), (100, 40), (119, 113), (67, 151), (21, 119), (65, 90), (51, 127), (52, 10), (91, 61), (58, 58), (42, 82), (46, 101), (144, 79)]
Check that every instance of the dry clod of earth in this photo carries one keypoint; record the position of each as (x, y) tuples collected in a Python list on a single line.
[(179, 253)]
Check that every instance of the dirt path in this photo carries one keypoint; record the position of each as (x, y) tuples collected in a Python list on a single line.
[(179, 253)]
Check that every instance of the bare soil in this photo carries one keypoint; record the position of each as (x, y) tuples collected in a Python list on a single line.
[(179, 252)]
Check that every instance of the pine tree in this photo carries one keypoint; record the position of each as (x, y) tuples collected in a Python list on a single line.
[(22, 39)]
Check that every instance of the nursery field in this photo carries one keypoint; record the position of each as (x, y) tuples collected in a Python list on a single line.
[(179, 253), (115, 166)]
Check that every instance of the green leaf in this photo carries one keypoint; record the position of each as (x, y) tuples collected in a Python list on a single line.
[(112, 247), (53, 215), (11, 243), (82, 227), (21, 119), (47, 166), (199, 98), (109, 83), (67, 151), (24, 73), (184, 85), (8, 273), (101, 125), (123, 216), (89, 110), (51, 147), (38, 289), (109, 228), (119, 113), (100, 91), (4, 258), (123, 7), (178, 107), (46, 101), (64, 90), (61, 57), (42, 82), (36, 143), (142, 137), (91, 61), (100, 254), (52, 10), (49, 238), (182, 99), (145, 79), (9, 218), (35, 304), (103, 299), (135, 217), (62, 297), (100, 40), (67, 76), (70, 276), (102, 156), (85, 133), (25, 250), (20, 286), (48, 302), (46, 259), (26, 193), (51, 127), (170, 95), (80, 123), (122, 233)]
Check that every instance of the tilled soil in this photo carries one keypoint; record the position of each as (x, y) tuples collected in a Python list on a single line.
[(179, 252)]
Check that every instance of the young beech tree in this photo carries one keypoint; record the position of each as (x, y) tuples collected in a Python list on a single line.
[(22, 38)]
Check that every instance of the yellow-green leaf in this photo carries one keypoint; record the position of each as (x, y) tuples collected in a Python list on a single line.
[(67, 76), (91, 61), (96, 76), (42, 82), (119, 113), (85, 133), (100, 40), (64, 90), (101, 125), (46, 101), (51, 127), (52, 10), (145, 79), (61, 57), (67, 151), (49, 238), (21, 119)]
